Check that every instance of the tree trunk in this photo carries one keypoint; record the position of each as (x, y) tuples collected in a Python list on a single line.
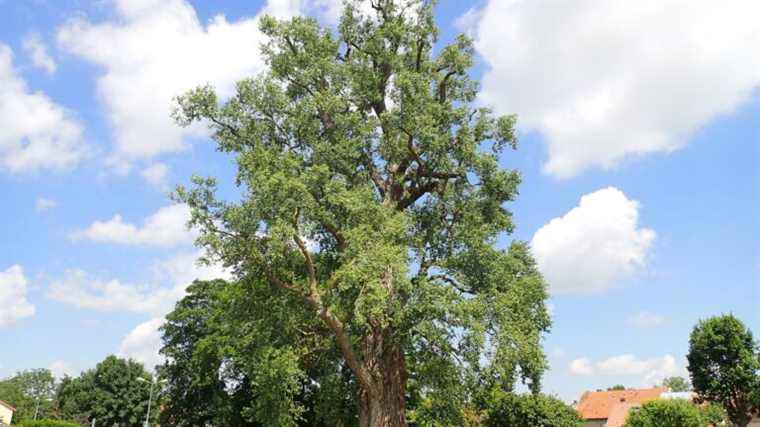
[(384, 405)]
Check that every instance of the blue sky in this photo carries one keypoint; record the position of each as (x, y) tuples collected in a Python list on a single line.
[(639, 151)]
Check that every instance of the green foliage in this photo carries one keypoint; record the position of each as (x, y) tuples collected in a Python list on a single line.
[(529, 410), (219, 374), (29, 391), (724, 363), (670, 413), (110, 393), (365, 143), (714, 414), (676, 384), (616, 387), (47, 423), (196, 349)]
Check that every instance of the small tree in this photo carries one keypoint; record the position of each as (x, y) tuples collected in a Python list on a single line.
[(677, 384), (616, 387), (725, 367), (666, 413), (521, 410), (31, 392)]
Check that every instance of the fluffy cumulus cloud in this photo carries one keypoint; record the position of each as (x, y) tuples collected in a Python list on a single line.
[(37, 51), (166, 227), (155, 50), (595, 245), (143, 342), (605, 81), (14, 305), (35, 132), (172, 276), (650, 371), (646, 319)]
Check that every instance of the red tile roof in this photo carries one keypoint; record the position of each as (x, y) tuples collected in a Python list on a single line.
[(619, 414), (598, 405)]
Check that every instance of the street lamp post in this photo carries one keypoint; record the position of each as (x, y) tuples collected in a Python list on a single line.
[(150, 396)]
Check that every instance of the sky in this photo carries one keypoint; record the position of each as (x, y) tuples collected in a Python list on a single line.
[(639, 150)]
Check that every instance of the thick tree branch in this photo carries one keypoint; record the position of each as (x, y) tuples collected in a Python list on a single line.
[(337, 235), (416, 193), (442, 86), (335, 325)]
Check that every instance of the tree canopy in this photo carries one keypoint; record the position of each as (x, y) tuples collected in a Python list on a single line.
[(214, 362), (671, 413), (724, 364), (676, 384), (514, 410), (373, 215), (110, 393)]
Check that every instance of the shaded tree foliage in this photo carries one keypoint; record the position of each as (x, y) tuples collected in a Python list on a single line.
[(373, 201), (724, 364), (219, 372), (109, 393)]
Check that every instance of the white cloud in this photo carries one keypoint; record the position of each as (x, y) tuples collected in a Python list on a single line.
[(581, 366), (651, 371), (607, 81), (37, 50), (155, 174), (44, 204), (172, 276), (155, 50), (332, 10), (143, 343), (61, 368), (77, 288), (13, 293), (594, 246), (645, 319), (166, 227), (35, 132)]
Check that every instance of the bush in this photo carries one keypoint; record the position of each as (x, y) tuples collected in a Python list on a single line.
[(513, 410), (46, 423), (667, 413), (714, 414)]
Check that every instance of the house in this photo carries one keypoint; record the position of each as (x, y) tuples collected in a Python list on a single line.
[(610, 408), (6, 413)]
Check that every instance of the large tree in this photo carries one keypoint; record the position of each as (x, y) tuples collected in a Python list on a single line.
[(373, 195), (724, 363), (110, 393)]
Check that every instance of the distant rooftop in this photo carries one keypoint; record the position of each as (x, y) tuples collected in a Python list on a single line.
[(600, 405)]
